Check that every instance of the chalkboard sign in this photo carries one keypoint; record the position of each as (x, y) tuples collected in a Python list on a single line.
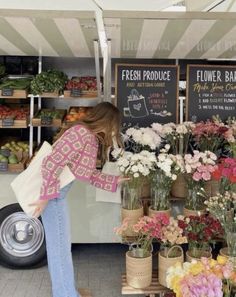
[(211, 90), (147, 94)]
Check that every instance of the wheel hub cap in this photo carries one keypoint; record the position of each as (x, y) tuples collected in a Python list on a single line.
[(20, 235)]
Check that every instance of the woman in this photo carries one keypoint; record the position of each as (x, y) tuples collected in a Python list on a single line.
[(76, 148)]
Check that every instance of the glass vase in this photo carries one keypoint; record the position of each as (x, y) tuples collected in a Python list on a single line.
[(160, 192), (195, 198), (160, 198), (131, 196)]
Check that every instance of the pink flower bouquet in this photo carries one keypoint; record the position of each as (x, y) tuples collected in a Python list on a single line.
[(147, 229), (199, 168), (225, 173), (210, 135)]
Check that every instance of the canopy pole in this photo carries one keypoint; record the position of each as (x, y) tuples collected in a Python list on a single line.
[(40, 66), (97, 68), (107, 72)]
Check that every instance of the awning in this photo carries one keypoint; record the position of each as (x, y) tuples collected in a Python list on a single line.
[(175, 35), (136, 31)]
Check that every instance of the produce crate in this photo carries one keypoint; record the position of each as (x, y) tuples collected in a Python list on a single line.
[(89, 94), (83, 94), (16, 168), (50, 94), (56, 122), (16, 94), (76, 114)]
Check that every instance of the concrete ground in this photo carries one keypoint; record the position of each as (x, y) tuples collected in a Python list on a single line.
[(97, 267)]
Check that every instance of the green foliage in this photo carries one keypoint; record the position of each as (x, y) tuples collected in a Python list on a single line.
[(48, 81)]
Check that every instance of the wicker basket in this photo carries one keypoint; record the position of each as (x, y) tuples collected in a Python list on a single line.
[(189, 212), (138, 271), (224, 252), (134, 216), (166, 262), (179, 187), (152, 212)]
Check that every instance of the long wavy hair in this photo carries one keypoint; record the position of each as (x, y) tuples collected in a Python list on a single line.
[(104, 120)]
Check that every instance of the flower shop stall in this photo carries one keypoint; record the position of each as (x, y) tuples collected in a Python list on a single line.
[(203, 154)]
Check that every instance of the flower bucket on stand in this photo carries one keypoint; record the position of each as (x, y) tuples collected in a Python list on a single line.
[(166, 259), (152, 212), (138, 270), (133, 216), (197, 254)]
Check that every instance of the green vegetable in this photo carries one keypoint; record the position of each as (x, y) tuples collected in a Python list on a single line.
[(48, 81), (16, 84), (54, 114)]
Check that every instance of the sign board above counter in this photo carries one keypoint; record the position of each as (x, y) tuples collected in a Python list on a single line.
[(147, 94), (211, 90)]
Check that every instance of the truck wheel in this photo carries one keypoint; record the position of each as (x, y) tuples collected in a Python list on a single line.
[(22, 242)]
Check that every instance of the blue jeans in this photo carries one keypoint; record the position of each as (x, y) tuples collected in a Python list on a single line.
[(58, 243)]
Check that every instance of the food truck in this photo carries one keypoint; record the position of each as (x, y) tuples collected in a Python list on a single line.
[(88, 39)]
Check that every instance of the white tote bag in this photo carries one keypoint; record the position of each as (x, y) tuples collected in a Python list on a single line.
[(27, 184), (106, 196)]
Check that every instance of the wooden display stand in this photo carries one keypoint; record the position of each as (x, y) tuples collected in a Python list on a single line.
[(151, 291)]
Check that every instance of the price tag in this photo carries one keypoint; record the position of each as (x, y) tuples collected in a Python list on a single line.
[(7, 92), (3, 166), (8, 122), (46, 120), (75, 92)]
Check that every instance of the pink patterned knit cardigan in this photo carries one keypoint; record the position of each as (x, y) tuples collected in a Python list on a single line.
[(77, 148)]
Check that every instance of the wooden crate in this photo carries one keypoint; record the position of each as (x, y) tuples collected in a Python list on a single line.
[(17, 168), (50, 94), (36, 121), (89, 94), (16, 94), (84, 94), (151, 291)]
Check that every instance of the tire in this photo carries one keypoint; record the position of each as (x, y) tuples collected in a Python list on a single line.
[(22, 242)]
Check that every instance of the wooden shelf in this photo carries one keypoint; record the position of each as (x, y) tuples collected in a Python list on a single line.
[(18, 124), (154, 288), (17, 94)]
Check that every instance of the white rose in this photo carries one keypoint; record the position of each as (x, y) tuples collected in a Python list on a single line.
[(122, 169), (136, 174), (134, 168)]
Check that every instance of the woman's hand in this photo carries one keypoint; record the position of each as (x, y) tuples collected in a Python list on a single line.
[(39, 207), (122, 179)]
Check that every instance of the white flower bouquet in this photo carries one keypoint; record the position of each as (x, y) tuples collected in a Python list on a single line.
[(177, 135), (167, 168), (142, 139), (135, 166)]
